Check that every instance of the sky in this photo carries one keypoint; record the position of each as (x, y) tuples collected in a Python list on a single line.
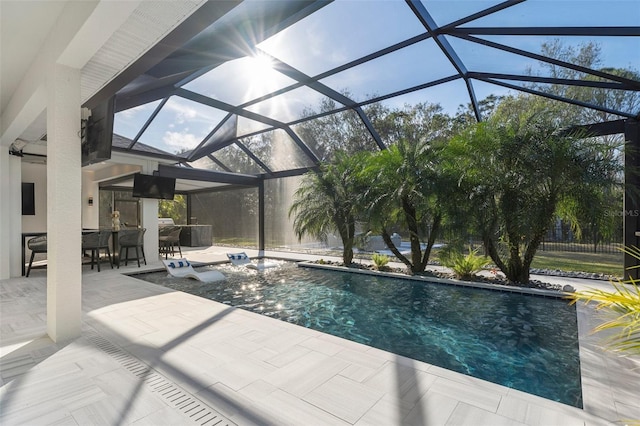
[(347, 30)]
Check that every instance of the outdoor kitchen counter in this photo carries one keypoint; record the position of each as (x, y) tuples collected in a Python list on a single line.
[(196, 235)]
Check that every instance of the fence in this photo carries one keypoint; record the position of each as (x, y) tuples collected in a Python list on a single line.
[(561, 238), (582, 247)]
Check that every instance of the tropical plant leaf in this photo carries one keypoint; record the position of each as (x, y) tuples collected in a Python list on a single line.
[(464, 266), (623, 304)]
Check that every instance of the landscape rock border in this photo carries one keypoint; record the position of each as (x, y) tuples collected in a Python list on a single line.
[(496, 283)]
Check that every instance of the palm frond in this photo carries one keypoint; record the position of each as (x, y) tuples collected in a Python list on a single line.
[(623, 304)]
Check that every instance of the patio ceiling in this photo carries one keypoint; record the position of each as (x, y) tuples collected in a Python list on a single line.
[(243, 84)]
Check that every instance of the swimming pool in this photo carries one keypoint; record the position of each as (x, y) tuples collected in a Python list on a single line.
[(525, 342)]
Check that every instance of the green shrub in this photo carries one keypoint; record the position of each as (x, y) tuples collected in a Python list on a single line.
[(464, 266), (380, 260)]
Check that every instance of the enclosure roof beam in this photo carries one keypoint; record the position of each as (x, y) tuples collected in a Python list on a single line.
[(553, 61), (291, 173), (207, 175), (481, 14), (219, 163), (430, 24), (251, 155), (147, 123), (196, 97), (549, 31), (554, 80), (598, 129), (559, 98)]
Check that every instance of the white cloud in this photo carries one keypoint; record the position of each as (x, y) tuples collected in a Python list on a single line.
[(139, 111), (185, 114), (180, 141)]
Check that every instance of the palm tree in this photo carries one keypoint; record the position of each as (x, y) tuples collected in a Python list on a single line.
[(404, 184), (517, 172), (404, 188), (326, 202)]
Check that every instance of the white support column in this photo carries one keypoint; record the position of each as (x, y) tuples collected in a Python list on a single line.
[(5, 210), (64, 267), (150, 220), (15, 216), (10, 215)]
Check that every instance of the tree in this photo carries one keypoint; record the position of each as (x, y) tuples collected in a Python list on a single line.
[(587, 55), (517, 171), (341, 131), (595, 215), (175, 209), (404, 184), (465, 115), (326, 202)]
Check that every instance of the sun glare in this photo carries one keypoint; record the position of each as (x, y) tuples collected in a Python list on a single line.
[(262, 79), (260, 69)]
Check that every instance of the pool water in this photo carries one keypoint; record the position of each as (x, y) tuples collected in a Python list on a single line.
[(525, 342)]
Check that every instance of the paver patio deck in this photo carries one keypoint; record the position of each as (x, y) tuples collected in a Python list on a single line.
[(152, 355)]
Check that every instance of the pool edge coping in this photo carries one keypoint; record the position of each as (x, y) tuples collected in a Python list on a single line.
[(448, 281)]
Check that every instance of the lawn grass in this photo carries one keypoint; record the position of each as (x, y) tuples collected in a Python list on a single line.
[(571, 261), (568, 261), (605, 263)]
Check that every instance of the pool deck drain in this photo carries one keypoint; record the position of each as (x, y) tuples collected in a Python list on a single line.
[(193, 409)]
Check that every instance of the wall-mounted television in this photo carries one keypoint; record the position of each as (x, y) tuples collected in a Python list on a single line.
[(98, 133), (28, 199), (149, 186)]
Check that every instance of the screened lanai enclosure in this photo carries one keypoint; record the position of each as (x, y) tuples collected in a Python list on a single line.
[(245, 97)]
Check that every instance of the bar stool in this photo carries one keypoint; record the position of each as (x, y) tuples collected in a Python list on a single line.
[(36, 245), (131, 238), (168, 239), (95, 242)]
